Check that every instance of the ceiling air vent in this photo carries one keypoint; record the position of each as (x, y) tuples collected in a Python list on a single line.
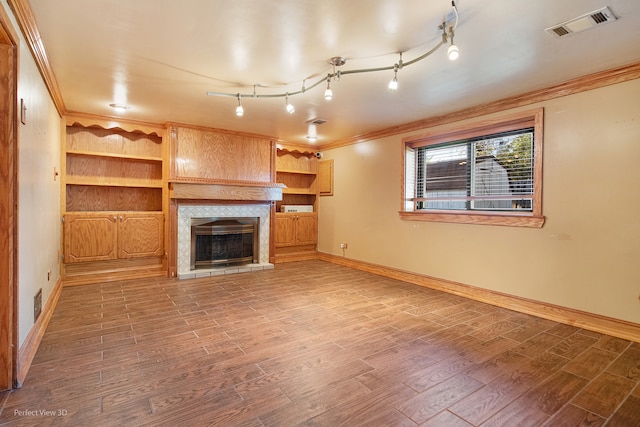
[(582, 23), (316, 122)]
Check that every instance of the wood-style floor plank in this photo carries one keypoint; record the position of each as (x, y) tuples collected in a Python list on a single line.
[(312, 343)]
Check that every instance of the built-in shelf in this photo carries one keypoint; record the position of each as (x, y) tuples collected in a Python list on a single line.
[(298, 191), (113, 201), (297, 172), (114, 155), (113, 182), (296, 234)]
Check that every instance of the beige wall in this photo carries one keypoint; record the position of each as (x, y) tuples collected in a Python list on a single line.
[(587, 255), (38, 193)]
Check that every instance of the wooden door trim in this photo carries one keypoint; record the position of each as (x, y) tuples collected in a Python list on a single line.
[(8, 205)]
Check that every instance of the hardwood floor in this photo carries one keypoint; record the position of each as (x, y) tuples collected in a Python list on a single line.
[(316, 344)]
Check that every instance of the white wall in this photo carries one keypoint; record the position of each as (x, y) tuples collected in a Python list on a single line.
[(38, 193), (587, 255)]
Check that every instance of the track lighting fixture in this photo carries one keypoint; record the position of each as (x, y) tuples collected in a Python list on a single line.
[(290, 108), (452, 53), (239, 108), (448, 31), (328, 93), (393, 84)]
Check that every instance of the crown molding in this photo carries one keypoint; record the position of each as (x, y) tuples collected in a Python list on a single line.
[(27, 22), (570, 87)]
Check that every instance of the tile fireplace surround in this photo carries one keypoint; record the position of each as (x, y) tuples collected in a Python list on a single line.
[(187, 212)]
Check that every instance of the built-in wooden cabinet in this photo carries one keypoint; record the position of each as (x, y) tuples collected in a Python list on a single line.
[(99, 236), (113, 199), (90, 237), (140, 234), (293, 229), (296, 233)]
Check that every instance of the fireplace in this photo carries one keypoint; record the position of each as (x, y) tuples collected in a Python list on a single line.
[(190, 214), (224, 242)]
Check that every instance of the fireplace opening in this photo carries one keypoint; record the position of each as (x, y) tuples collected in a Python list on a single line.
[(221, 242)]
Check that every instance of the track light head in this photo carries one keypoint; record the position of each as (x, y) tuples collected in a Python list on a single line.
[(239, 108), (328, 93), (453, 53), (393, 84), (290, 108)]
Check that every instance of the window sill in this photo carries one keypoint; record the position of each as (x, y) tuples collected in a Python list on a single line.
[(510, 220)]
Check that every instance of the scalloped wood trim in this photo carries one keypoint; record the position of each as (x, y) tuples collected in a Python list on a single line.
[(105, 122), (296, 148), (582, 319), (27, 22), (581, 84)]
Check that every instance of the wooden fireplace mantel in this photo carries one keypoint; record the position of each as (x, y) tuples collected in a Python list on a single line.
[(209, 190)]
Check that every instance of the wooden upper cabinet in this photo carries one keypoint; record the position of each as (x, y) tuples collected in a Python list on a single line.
[(209, 155), (140, 234), (90, 237), (325, 177)]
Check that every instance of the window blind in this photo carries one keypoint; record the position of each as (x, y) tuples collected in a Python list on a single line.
[(491, 172)]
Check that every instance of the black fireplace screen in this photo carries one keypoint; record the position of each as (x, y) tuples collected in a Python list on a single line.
[(224, 242)]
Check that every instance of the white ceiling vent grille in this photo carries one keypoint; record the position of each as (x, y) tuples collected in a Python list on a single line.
[(582, 23)]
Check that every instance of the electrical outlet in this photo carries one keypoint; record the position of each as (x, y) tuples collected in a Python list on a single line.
[(343, 246)]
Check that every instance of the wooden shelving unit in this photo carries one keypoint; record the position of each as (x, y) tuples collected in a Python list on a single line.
[(112, 201), (296, 233)]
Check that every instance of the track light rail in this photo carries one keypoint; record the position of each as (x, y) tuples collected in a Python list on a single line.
[(447, 35)]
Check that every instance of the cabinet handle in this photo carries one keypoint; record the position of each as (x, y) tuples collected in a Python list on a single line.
[(120, 218), (115, 219)]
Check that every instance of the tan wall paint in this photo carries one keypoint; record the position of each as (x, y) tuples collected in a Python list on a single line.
[(38, 193), (587, 255)]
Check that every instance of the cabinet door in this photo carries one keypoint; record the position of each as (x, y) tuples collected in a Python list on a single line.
[(285, 230), (140, 234), (90, 237), (306, 228)]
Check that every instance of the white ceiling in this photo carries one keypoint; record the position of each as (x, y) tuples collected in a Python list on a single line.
[(161, 57)]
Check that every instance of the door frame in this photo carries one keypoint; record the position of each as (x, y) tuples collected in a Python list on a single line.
[(8, 202)]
